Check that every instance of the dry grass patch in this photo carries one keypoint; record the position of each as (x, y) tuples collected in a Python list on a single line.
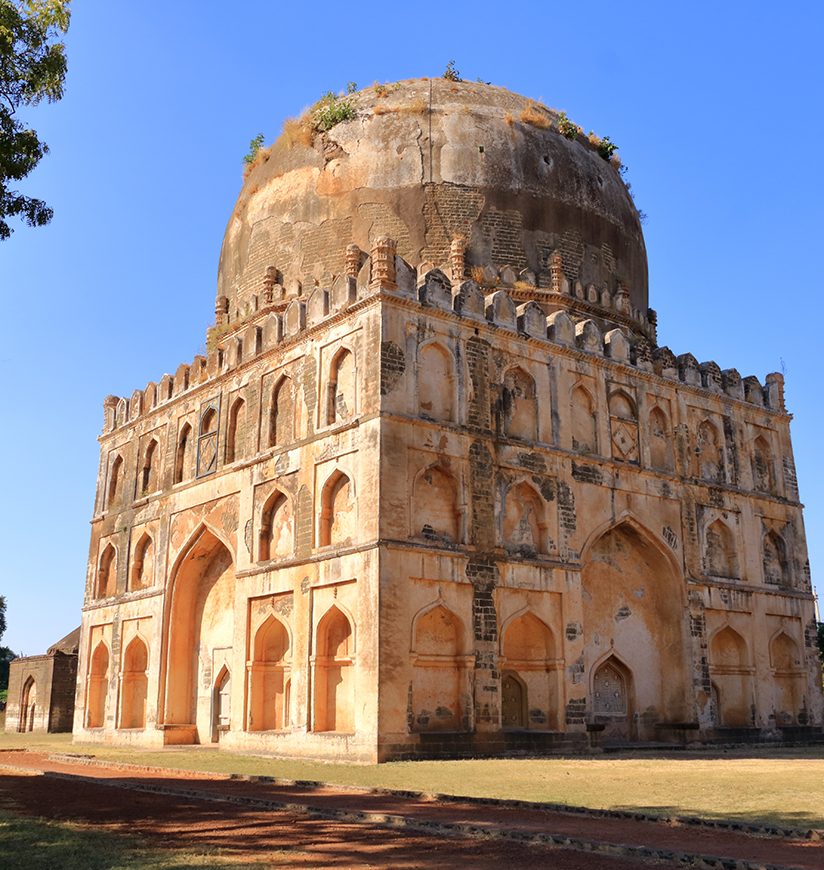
[(536, 115), (297, 131)]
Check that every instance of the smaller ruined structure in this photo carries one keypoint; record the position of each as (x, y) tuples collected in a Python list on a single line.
[(41, 688)]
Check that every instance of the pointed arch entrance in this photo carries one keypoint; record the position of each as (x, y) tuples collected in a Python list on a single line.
[(200, 620), (635, 633), (28, 706)]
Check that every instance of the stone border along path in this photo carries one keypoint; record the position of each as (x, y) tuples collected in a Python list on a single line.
[(457, 818), (760, 830)]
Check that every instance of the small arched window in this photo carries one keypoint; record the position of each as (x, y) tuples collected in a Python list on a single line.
[(183, 456), (106, 585), (436, 383), (762, 472), (277, 534), (148, 473), (235, 432), (142, 573), (708, 453), (337, 521), (281, 413), (660, 442), (774, 560), (720, 557), (114, 481), (340, 402), (520, 405), (584, 436)]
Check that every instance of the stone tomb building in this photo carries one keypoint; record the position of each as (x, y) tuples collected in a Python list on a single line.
[(42, 688), (436, 488)]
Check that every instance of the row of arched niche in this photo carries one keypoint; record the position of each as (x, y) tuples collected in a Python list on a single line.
[(532, 677), (437, 399), (436, 516), (269, 679)]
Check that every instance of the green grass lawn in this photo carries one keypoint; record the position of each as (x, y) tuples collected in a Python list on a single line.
[(776, 786)]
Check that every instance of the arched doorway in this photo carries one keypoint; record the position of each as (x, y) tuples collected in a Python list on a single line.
[(200, 638), (222, 704), (28, 706), (528, 658), (513, 701), (636, 634)]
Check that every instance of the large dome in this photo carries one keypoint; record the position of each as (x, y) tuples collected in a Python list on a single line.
[(428, 161)]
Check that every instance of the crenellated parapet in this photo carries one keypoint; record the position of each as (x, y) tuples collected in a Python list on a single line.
[(288, 308)]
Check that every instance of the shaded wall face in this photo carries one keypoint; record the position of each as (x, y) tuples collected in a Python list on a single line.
[(633, 611), (29, 694)]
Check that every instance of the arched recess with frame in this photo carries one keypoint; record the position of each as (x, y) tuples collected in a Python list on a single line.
[(440, 688), (236, 431), (106, 580), (436, 382), (584, 420), (142, 574), (623, 425), (524, 526), (787, 666), (762, 465), (720, 553), (277, 528), (115, 482), (774, 560), (659, 435), (613, 697), (732, 675), (148, 469), (341, 387), (529, 654), (134, 683), (28, 705), (269, 675), (338, 511), (519, 404), (199, 617), (709, 455), (97, 686), (634, 607), (334, 672), (434, 511), (184, 454), (282, 402)]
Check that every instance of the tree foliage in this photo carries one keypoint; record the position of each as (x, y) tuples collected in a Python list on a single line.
[(6, 655), (32, 69)]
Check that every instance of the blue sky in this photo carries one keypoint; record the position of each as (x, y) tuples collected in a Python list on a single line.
[(716, 108)]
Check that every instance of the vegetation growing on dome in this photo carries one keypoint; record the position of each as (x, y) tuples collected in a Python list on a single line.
[(383, 90), (451, 73), (254, 147), (331, 109), (568, 128)]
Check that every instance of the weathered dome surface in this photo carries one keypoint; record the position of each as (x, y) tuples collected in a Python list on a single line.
[(429, 162)]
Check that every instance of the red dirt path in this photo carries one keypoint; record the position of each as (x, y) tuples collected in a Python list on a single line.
[(253, 834)]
